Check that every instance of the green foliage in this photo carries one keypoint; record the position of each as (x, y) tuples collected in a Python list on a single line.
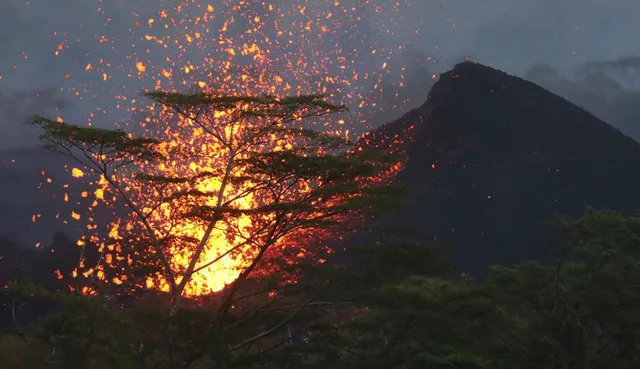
[(258, 106), (579, 312), (391, 312), (16, 353), (61, 136)]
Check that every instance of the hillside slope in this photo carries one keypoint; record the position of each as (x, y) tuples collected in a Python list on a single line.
[(494, 157)]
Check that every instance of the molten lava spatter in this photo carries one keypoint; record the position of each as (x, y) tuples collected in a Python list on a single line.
[(234, 48)]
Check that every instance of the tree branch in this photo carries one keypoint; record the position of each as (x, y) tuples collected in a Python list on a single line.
[(274, 328)]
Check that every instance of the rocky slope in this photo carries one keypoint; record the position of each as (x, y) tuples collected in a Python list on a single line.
[(493, 158)]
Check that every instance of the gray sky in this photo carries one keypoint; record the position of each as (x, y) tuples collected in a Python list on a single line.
[(581, 49), (512, 35)]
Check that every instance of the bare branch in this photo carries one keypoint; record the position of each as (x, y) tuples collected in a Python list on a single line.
[(274, 328)]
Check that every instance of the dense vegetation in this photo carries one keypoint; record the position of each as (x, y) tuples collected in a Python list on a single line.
[(579, 312)]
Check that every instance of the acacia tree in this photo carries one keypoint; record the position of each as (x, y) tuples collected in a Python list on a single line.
[(296, 178)]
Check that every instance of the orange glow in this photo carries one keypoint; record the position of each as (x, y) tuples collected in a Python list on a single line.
[(77, 173), (242, 48), (141, 67)]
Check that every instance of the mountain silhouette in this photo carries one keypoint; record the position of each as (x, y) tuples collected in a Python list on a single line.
[(32, 183), (35, 265), (492, 159)]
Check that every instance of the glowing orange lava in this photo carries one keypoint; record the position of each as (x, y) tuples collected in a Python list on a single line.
[(212, 155), (235, 48)]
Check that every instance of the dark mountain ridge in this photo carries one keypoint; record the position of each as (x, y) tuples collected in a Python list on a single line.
[(24, 176), (493, 158)]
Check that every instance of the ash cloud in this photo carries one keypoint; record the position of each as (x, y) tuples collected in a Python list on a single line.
[(609, 89), (15, 109), (393, 100)]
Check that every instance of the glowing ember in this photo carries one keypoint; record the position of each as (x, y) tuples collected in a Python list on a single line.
[(232, 48), (226, 269)]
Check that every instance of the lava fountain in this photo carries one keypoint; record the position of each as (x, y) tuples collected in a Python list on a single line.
[(247, 48)]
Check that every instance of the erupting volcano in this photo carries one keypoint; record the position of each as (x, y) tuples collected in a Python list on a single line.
[(230, 48)]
